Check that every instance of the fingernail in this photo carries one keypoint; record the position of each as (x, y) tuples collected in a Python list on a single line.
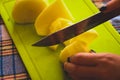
[(103, 8), (92, 51), (68, 59)]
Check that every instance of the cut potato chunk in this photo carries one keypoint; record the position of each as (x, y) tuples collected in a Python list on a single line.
[(26, 11), (72, 49), (88, 36), (58, 24), (50, 14), (78, 44)]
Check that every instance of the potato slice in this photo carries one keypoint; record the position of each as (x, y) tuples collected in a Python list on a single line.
[(78, 44), (58, 24), (51, 13), (26, 11), (88, 36), (72, 49)]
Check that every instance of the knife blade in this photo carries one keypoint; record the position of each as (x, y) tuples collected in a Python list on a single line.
[(77, 28)]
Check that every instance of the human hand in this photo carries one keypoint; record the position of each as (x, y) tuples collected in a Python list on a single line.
[(86, 66), (112, 4)]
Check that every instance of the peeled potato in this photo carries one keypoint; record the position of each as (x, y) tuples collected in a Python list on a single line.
[(72, 49), (87, 36), (78, 44), (26, 11), (58, 24), (51, 13)]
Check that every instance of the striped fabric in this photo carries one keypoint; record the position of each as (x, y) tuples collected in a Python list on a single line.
[(11, 65), (116, 23)]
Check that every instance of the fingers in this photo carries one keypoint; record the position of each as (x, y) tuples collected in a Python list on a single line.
[(85, 66), (85, 59), (81, 72), (112, 5)]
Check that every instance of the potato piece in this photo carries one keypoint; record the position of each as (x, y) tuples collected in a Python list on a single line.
[(88, 36), (72, 49), (50, 14), (78, 44), (26, 11), (58, 24)]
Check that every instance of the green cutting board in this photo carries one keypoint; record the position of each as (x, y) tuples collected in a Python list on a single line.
[(41, 62)]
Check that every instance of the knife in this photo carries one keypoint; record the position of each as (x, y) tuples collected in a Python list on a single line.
[(77, 28)]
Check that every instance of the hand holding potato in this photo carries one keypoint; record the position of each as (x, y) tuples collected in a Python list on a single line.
[(93, 67)]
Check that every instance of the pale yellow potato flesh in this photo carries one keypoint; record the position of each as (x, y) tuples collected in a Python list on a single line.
[(26, 11), (58, 24), (72, 49), (78, 44), (50, 14)]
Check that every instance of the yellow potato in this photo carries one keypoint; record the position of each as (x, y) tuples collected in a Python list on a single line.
[(88, 36), (58, 24), (26, 11), (51, 13), (72, 49), (78, 44)]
